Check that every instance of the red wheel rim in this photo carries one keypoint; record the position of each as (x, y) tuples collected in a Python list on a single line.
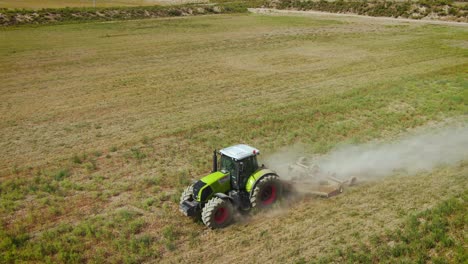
[(268, 195), (221, 215)]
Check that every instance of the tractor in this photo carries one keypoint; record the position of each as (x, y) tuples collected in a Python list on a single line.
[(238, 183)]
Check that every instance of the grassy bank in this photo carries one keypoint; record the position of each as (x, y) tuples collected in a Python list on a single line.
[(429, 9), (32, 4), (9, 17), (103, 124)]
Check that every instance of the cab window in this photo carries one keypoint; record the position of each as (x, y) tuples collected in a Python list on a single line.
[(227, 164)]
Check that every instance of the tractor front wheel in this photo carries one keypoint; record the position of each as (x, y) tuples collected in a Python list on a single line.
[(217, 213), (187, 194), (266, 192)]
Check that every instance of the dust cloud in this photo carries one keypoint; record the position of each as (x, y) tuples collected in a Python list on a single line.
[(409, 154)]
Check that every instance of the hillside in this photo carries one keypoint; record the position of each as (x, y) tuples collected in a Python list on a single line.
[(433, 10), (104, 123), (445, 10), (31, 4)]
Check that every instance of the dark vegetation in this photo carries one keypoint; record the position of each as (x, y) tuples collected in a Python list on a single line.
[(438, 9), (407, 9), (76, 14)]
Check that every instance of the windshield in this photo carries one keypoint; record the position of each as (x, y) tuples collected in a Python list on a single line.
[(227, 164)]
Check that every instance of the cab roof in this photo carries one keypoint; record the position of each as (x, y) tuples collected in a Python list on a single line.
[(240, 151)]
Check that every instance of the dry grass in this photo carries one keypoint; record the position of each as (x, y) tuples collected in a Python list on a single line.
[(314, 228), (33, 4), (104, 123)]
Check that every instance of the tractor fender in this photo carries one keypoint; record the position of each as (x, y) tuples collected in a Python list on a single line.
[(254, 178), (223, 196)]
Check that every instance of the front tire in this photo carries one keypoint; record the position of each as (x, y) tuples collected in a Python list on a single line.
[(266, 192), (217, 213), (187, 195)]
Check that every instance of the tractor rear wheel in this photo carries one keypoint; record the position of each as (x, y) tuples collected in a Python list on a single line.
[(187, 194), (217, 213), (266, 192)]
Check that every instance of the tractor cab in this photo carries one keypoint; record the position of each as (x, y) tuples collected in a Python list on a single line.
[(240, 161)]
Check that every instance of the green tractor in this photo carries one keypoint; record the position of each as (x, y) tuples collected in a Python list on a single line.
[(238, 183)]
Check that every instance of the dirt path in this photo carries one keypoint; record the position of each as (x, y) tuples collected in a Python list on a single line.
[(271, 11)]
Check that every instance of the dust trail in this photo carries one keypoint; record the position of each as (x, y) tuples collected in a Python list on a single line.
[(409, 154)]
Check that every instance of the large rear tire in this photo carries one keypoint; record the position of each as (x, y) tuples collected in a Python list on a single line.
[(187, 194), (266, 192), (217, 213)]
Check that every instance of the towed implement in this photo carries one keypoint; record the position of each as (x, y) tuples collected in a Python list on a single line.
[(238, 183), (306, 177)]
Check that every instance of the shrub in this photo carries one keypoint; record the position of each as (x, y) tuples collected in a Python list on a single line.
[(175, 12), (113, 149), (373, 8), (76, 159), (91, 165), (61, 174), (137, 154)]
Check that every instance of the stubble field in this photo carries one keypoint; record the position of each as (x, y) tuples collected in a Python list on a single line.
[(103, 124)]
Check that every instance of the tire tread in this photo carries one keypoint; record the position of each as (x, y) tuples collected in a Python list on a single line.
[(269, 178), (210, 208)]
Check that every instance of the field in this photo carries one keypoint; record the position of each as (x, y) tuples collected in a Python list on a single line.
[(103, 124), (35, 4)]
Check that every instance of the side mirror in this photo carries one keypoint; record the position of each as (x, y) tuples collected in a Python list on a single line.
[(241, 166)]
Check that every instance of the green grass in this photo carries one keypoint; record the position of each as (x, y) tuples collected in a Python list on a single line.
[(103, 124), (437, 235)]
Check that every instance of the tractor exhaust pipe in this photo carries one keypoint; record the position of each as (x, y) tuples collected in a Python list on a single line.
[(215, 162)]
